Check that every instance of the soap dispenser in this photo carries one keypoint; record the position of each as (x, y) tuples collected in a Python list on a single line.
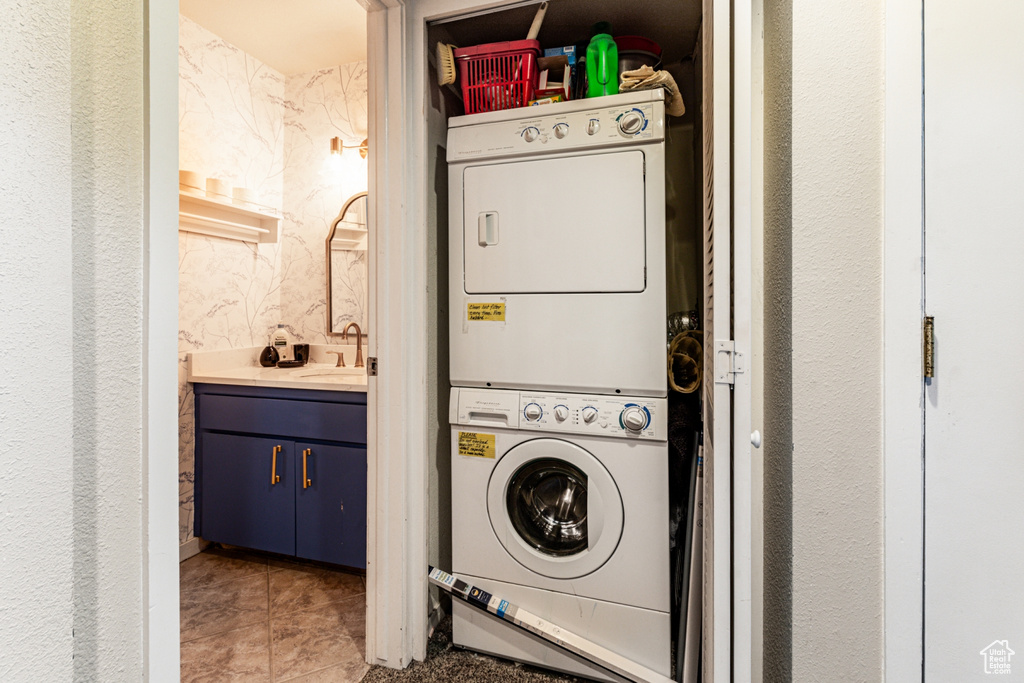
[(269, 357), (282, 342)]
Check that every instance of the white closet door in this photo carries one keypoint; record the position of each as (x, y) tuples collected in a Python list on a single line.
[(714, 394), (974, 407), (725, 651)]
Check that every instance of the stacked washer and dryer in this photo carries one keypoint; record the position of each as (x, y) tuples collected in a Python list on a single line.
[(560, 486)]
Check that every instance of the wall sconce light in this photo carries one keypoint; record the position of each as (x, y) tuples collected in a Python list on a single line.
[(337, 146)]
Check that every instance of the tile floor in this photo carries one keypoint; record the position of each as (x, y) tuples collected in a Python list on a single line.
[(246, 617)]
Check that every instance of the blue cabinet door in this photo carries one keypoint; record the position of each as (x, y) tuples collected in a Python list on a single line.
[(240, 505), (330, 510)]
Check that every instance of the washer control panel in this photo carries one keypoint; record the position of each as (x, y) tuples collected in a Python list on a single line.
[(612, 416), (641, 418)]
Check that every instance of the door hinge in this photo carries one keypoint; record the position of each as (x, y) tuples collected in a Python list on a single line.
[(728, 362), (929, 347), (371, 366)]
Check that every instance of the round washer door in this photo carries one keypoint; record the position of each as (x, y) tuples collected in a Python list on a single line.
[(555, 508)]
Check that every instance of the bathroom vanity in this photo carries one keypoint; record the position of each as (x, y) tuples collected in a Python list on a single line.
[(282, 469)]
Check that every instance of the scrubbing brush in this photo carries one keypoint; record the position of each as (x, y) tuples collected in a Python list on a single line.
[(445, 64)]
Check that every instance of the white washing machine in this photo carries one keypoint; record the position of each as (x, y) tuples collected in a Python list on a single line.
[(557, 246), (560, 505)]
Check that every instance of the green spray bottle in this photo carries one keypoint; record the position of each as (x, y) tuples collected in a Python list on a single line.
[(602, 62)]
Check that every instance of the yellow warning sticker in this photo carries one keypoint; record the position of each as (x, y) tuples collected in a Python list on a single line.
[(494, 311), (476, 445)]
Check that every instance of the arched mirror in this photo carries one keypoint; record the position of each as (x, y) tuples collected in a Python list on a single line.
[(346, 265)]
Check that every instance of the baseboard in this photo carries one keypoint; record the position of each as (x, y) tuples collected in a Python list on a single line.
[(191, 548)]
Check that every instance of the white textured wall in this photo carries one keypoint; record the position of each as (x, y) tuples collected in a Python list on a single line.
[(35, 297), (777, 451), (824, 123), (107, 156)]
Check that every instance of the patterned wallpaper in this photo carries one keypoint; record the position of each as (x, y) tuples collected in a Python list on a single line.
[(244, 122), (322, 105)]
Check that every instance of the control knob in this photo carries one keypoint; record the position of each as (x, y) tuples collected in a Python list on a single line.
[(532, 411), (634, 419), (561, 130), (593, 126), (589, 414), (530, 134), (561, 412), (632, 122)]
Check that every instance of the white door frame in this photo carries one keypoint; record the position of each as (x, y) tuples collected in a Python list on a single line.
[(397, 532), (397, 399), (396, 444), (160, 626), (397, 515), (903, 395), (746, 171)]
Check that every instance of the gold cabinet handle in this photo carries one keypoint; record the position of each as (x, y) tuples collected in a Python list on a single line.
[(306, 483), (274, 476)]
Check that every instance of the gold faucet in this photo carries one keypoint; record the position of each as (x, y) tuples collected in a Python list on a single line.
[(359, 343), (341, 358)]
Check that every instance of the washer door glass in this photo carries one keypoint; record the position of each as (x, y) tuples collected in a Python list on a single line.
[(547, 505), (555, 508)]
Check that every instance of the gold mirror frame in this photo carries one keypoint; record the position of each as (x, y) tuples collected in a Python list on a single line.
[(330, 237)]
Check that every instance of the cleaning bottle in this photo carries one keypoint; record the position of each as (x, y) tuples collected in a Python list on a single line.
[(602, 62), (282, 341)]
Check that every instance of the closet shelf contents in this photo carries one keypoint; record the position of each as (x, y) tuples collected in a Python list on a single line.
[(221, 219), (498, 76)]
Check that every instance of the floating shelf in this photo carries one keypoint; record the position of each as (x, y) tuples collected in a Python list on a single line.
[(220, 219), (349, 236)]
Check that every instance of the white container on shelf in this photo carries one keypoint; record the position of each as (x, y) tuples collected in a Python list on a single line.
[(191, 182), (217, 188)]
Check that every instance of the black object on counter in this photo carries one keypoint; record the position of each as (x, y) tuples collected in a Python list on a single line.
[(269, 357), (290, 363), (302, 353)]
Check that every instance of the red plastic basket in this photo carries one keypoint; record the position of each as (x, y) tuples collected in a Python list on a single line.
[(498, 75)]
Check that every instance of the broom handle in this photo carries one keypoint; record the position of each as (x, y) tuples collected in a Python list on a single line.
[(538, 19)]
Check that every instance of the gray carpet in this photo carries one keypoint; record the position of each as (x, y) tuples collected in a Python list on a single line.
[(445, 662)]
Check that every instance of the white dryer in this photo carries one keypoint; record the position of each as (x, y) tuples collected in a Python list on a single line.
[(557, 247), (560, 505)]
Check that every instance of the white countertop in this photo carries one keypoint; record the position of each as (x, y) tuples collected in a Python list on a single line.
[(241, 367)]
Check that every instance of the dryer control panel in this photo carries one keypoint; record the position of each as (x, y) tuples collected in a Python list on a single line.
[(566, 126), (611, 416)]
